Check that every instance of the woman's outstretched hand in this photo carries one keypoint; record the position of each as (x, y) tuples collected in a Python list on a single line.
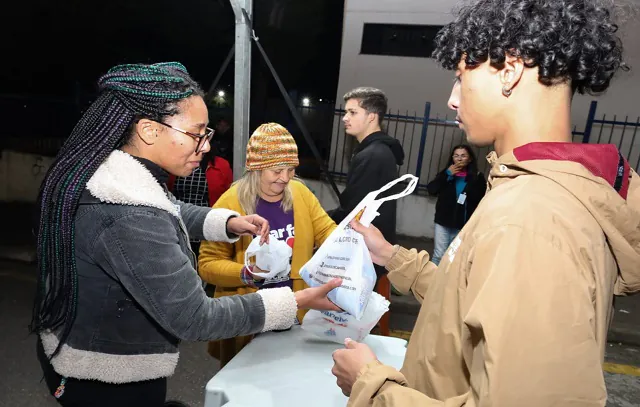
[(316, 297)]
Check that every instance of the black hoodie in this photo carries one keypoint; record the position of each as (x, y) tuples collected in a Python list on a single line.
[(374, 164)]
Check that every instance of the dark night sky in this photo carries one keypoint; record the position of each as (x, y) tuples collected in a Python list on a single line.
[(55, 48)]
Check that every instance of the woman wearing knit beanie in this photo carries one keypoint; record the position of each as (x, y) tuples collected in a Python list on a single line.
[(268, 188)]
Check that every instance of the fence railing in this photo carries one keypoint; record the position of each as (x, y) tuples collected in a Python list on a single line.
[(625, 134), (428, 141), (45, 146)]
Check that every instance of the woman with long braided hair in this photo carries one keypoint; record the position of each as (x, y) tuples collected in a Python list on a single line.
[(118, 288)]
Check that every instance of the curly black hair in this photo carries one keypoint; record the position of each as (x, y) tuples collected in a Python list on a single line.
[(568, 40)]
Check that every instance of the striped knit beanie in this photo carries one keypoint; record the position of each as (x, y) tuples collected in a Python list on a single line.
[(271, 146)]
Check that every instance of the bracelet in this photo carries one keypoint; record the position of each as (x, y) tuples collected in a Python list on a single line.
[(248, 279), (246, 276)]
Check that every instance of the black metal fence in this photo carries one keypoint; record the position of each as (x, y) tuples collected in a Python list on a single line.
[(428, 141), (611, 130)]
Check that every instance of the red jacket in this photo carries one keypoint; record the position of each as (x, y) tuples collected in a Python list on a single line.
[(219, 179)]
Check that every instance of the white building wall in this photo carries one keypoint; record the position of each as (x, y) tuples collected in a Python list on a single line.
[(410, 82)]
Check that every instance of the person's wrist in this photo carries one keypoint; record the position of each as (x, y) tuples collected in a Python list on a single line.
[(387, 253), (300, 299), (370, 365), (246, 276), (230, 234)]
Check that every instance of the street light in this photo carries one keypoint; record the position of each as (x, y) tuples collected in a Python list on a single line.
[(306, 102), (221, 93)]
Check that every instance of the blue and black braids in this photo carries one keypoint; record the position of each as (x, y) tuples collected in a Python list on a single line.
[(128, 93)]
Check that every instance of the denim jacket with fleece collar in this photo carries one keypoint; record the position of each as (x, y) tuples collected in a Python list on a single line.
[(138, 291)]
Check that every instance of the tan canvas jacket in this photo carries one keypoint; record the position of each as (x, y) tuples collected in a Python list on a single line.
[(518, 311)]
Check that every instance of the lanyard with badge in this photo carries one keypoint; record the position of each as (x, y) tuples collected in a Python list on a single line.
[(462, 199)]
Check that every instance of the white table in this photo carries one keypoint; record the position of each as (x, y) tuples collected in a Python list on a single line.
[(291, 368)]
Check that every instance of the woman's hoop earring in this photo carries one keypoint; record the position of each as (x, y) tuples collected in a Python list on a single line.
[(506, 92)]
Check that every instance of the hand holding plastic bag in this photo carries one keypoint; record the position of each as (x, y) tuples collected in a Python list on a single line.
[(345, 255), (338, 326), (273, 257)]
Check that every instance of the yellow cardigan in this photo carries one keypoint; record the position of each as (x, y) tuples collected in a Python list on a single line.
[(221, 263)]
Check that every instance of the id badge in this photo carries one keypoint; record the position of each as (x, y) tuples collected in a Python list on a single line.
[(462, 198)]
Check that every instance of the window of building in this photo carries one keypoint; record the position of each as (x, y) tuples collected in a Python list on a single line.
[(403, 40)]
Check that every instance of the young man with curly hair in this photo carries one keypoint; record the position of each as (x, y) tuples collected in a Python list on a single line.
[(518, 310)]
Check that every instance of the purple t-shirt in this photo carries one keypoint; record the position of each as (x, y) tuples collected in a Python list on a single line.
[(281, 225)]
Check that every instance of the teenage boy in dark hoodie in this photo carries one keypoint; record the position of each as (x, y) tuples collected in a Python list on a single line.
[(375, 160)]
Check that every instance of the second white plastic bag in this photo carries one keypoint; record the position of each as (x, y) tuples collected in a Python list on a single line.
[(338, 326), (273, 257)]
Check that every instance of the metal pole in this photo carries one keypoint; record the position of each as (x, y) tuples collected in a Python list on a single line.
[(423, 137), (589, 125), (242, 87)]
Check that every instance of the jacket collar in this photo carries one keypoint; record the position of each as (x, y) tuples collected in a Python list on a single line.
[(384, 138), (601, 161), (157, 171), (123, 180), (371, 138)]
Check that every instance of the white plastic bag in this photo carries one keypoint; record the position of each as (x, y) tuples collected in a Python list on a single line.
[(338, 326), (344, 254), (273, 257)]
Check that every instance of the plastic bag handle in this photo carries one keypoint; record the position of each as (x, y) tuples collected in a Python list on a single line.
[(411, 186), (371, 209), (248, 254), (370, 204)]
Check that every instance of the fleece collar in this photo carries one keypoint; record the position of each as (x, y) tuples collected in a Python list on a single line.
[(123, 180)]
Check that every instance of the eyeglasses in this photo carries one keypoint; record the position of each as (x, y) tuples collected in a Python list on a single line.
[(200, 138)]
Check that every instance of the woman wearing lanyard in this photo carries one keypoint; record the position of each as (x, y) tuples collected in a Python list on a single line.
[(459, 189)]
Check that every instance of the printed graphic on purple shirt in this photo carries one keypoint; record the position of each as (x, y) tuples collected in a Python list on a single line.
[(281, 225)]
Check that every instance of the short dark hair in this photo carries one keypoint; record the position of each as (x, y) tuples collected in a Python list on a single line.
[(370, 99), (568, 40)]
